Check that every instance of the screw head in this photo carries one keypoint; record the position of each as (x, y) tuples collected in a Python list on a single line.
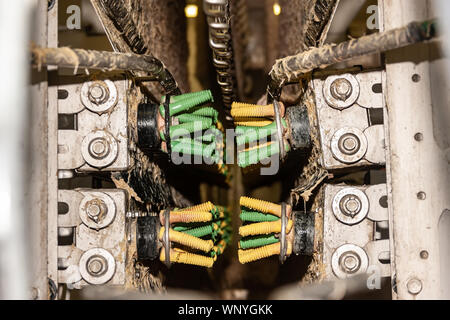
[(99, 148), (98, 93), (34, 293), (424, 254), (421, 195), (96, 266), (349, 144), (341, 89), (350, 205), (414, 286), (418, 136), (96, 209), (350, 262)]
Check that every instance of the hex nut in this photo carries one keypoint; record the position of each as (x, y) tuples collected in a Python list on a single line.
[(98, 92), (341, 91), (99, 96), (97, 210)]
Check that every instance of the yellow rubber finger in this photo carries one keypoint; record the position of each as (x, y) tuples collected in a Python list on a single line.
[(250, 255), (261, 205), (187, 240), (207, 206), (251, 111), (264, 228), (187, 258), (187, 216)]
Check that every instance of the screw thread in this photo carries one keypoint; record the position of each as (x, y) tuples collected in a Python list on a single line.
[(206, 112), (201, 231), (188, 103), (187, 240), (250, 134), (207, 206), (190, 127), (256, 216), (244, 110), (178, 256), (187, 216), (188, 117), (194, 148), (250, 255), (264, 228), (258, 241), (184, 96), (252, 123), (261, 205)]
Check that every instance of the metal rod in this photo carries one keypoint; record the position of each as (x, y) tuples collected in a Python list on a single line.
[(294, 67), (91, 59)]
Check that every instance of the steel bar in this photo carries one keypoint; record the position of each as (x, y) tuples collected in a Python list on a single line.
[(79, 58), (294, 67)]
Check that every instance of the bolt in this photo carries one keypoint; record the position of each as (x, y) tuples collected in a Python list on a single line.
[(421, 195), (96, 265), (415, 77), (99, 148), (350, 262), (418, 136), (34, 293), (350, 205), (424, 254), (349, 143), (341, 89), (98, 93), (414, 286), (96, 209)]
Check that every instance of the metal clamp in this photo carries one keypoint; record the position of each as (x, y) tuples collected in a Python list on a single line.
[(166, 240), (283, 234), (276, 108), (167, 124)]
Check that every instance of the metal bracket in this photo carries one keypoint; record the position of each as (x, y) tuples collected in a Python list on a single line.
[(347, 137), (276, 108), (166, 239), (99, 139), (282, 256)]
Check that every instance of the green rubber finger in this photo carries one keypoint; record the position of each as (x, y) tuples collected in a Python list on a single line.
[(187, 117), (250, 134), (255, 216), (186, 104), (253, 156), (184, 96), (258, 241), (206, 112)]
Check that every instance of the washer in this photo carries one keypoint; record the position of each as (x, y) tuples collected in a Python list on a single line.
[(105, 266), (348, 145), (349, 260), (99, 148), (350, 205)]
